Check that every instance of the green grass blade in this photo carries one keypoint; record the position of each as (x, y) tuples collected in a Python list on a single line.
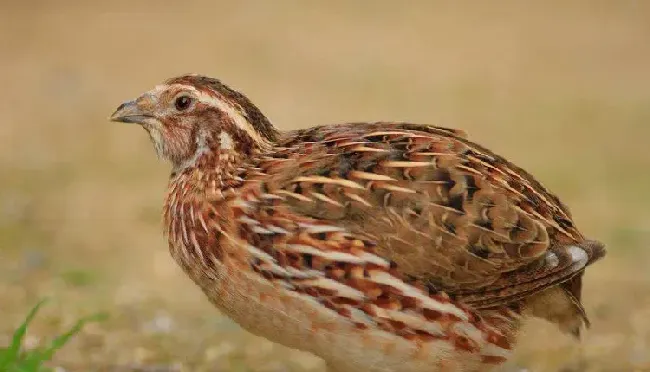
[(12, 353), (33, 361), (61, 340)]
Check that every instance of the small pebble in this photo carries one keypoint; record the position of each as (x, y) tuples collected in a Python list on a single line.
[(160, 324)]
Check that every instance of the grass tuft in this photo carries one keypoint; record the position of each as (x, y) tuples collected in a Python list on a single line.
[(15, 359)]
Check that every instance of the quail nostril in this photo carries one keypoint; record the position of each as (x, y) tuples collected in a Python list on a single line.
[(129, 112), (120, 107), (126, 105)]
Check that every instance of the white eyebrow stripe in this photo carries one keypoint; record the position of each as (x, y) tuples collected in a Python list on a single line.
[(234, 113)]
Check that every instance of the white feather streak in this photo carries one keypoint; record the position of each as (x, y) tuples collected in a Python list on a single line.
[(409, 291)]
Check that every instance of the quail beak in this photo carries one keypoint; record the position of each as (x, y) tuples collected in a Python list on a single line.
[(130, 112)]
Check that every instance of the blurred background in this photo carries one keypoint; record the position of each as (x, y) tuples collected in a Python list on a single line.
[(561, 88)]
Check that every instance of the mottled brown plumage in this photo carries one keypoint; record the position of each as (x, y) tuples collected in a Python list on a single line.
[(376, 246)]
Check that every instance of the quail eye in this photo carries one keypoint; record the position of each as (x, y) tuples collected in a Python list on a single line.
[(182, 103)]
